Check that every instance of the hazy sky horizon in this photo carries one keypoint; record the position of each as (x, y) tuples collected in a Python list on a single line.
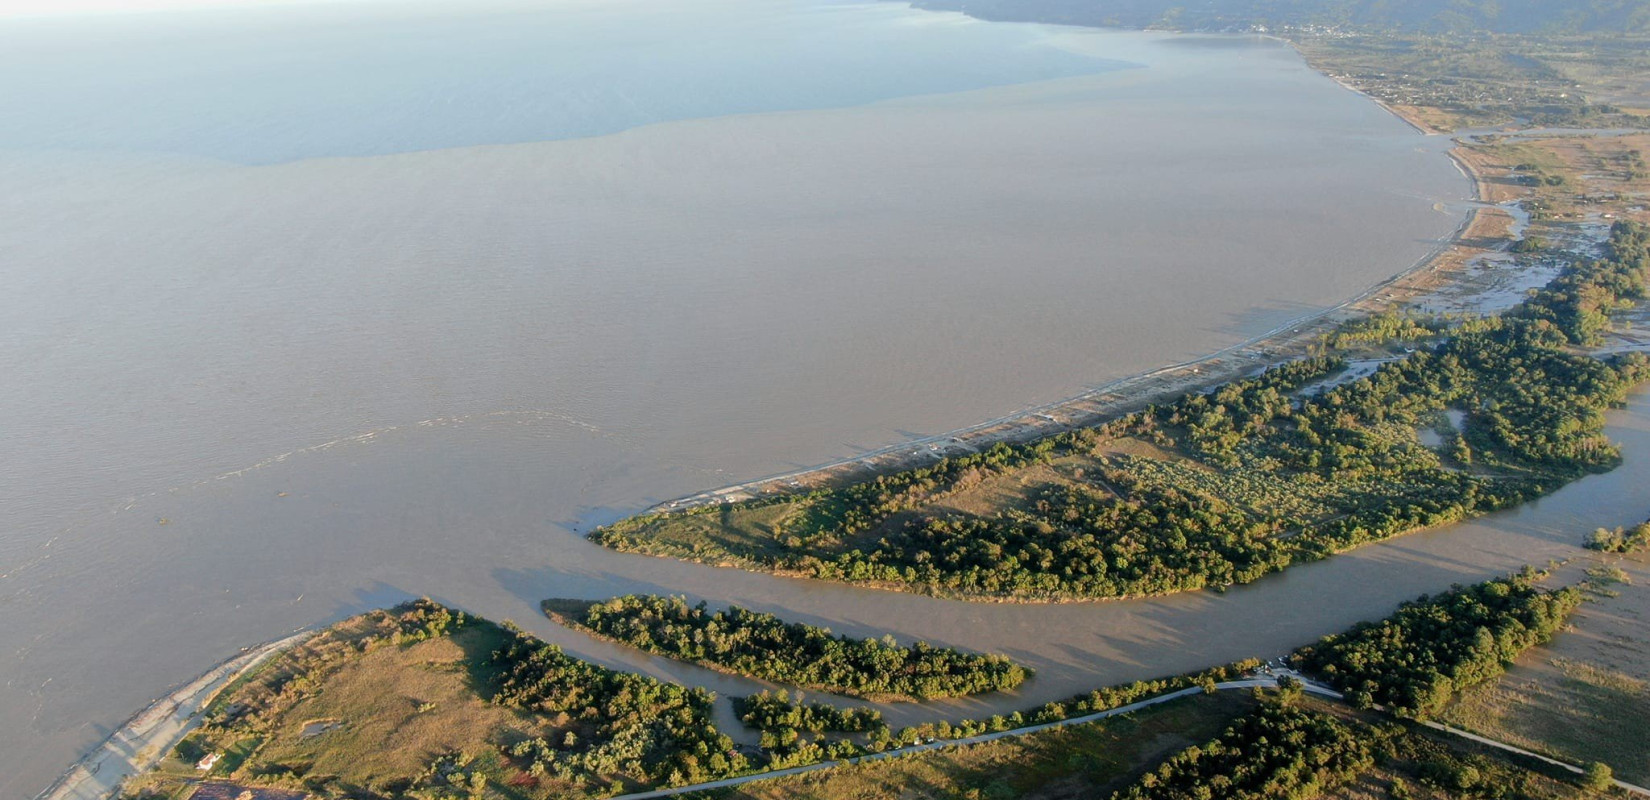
[(32, 8)]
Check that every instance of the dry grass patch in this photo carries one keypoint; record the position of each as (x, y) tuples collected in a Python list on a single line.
[(397, 708), (1079, 761), (1586, 695)]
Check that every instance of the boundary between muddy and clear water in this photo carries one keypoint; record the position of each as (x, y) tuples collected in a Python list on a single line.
[(1115, 397)]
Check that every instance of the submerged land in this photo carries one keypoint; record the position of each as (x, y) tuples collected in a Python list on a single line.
[(1471, 383), (1458, 416), (422, 701), (1551, 204)]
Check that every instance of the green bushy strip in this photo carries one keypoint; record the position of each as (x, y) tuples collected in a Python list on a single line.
[(1580, 301), (764, 646), (1278, 751), (1621, 540), (774, 711), (787, 748), (643, 730), (1533, 412), (1414, 661)]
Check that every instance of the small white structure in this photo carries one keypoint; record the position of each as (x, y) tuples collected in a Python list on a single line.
[(207, 763)]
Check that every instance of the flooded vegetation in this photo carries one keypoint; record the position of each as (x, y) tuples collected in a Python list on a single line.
[(765, 647), (1257, 477), (404, 371), (445, 344)]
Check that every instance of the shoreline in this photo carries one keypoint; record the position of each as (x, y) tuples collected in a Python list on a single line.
[(147, 737), (1434, 273), (1429, 277)]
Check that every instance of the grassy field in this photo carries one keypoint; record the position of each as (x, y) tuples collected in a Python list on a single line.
[(394, 708), (1095, 760), (1422, 765), (1079, 761), (398, 704), (758, 534), (1586, 695), (357, 722)]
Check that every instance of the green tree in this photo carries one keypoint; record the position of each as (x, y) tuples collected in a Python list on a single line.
[(1597, 776)]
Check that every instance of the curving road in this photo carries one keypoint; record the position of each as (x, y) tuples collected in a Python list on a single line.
[(1252, 683), (1269, 682)]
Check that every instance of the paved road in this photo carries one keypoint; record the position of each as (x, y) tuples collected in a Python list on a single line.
[(1438, 726), (1264, 682), (1268, 680)]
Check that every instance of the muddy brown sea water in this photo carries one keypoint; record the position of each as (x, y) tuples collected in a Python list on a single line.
[(250, 392)]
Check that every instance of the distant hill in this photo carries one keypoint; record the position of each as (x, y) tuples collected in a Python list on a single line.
[(1431, 16)]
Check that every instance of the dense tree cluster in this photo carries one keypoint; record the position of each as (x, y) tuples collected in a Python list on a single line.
[(1075, 542), (1277, 751), (1413, 661), (639, 729), (1621, 540), (424, 619), (1582, 298), (1387, 326), (774, 711), (763, 646), (787, 747)]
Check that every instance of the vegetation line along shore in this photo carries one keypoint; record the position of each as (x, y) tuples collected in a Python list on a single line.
[(1223, 487), (762, 646), (1202, 371), (425, 702), (1330, 432)]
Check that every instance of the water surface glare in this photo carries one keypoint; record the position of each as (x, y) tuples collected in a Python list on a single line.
[(251, 389)]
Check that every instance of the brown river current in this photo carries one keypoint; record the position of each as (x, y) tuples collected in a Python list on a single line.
[(245, 397)]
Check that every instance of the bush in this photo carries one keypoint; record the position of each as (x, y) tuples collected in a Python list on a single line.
[(1415, 660), (764, 646), (1597, 776)]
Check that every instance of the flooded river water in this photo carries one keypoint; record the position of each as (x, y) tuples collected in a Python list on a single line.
[(271, 361)]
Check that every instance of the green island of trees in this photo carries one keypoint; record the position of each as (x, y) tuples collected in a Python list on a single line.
[(763, 646), (1414, 661), (660, 732), (1220, 487), (1621, 540), (1582, 298), (787, 747), (1279, 750), (775, 711)]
